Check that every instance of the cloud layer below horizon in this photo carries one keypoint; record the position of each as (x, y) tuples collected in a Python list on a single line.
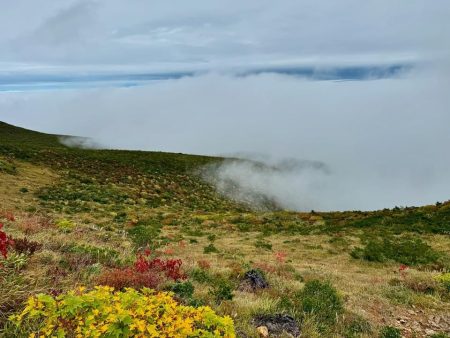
[(385, 141)]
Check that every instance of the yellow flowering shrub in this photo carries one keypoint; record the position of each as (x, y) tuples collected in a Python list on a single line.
[(444, 279), (104, 312)]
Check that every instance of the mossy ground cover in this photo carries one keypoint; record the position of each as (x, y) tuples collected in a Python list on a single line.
[(350, 274)]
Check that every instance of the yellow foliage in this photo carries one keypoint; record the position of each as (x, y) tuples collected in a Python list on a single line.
[(104, 312)]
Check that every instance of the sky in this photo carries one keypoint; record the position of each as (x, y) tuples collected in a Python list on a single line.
[(359, 86)]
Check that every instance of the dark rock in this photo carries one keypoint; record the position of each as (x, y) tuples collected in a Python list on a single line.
[(255, 279), (278, 324)]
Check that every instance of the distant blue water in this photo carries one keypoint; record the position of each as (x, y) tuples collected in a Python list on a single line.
[(33, 82)]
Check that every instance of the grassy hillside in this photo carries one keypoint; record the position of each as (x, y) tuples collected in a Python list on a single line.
[(97, 217)]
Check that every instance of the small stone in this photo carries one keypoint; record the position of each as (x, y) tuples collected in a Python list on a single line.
[(263, 331)]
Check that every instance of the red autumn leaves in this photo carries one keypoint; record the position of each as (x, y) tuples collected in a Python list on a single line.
[(5, 242)]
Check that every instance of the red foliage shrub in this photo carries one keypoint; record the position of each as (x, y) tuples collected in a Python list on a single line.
[(171, 268), (146, 272), (5, 242), (128, 277), (23, 245)]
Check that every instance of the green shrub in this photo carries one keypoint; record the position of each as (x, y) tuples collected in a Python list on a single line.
[(210, 249), (145, 234), (184, 290), (7, 167), (321, 300), (406, 250), (390, 332), (200, 275), (356, 325), (439, 335), (221, 290)]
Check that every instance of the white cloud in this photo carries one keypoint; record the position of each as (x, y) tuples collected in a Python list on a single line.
[(214, 33), (385, 141)]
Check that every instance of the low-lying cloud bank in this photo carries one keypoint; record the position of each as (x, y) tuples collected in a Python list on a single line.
[(80, 142), (286, 184), (383, 142)]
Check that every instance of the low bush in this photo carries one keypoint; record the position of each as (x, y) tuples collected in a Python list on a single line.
[(210, 249), (65, 225), (25, 246), (129, 313), (146, 272), (200, 275), (170, 267), (221, 290), (406, 250), (5, 242), (421, 283), (355, 326), (129, 278), (439, 335), (444, 279), (321, 300), (184, 290), (7, 167), (145, 234), (390, 332)]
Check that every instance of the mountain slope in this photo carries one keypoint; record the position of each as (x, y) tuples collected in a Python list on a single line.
[(93, 212)]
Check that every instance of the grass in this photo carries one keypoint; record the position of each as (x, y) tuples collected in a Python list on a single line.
[(92, 211)]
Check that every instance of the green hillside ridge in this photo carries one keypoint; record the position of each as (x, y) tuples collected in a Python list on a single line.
[(84, 217)]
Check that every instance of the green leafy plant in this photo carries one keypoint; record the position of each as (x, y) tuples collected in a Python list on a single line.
[(210, 249), (390, 332), (221, 290), (321, 300), (145, 234), (406, 250)]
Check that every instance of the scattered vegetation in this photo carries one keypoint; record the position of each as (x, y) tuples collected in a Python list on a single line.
[(136, 221), (321, 300)]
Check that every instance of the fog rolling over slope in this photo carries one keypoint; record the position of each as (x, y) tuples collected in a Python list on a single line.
[(384, 141), (309, 186)]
